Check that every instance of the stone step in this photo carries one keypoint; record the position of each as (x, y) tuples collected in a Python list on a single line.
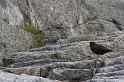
[(56, 47), (114, 61), (8, 77), (112, 77), (111, 68), (39, 62), (105, 80), (31, 56), (113, 71), (43, 69), (68, 52), (70, 74), (34, 71), (109, 74), (66, 62)]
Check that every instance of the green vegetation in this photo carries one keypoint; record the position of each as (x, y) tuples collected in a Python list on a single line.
[(29, 28), (39, 36), (39, 41)]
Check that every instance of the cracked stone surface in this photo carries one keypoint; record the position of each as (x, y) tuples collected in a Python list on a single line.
[(68, 25)]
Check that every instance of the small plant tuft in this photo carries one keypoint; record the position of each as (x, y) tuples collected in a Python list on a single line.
[(39, 36), (39, 41), (28, 28)]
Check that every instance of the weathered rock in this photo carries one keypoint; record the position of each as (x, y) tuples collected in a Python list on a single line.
[(77, 65), (54, 18), (112, 72), (61, 47), (34, 71), (107, 9), (111, 68), (8, 77), (11, 36), (70, 74), (109, 74), (39, 62), (72, 21), (43, 69), (58, 19), (31, 56), (70, 52), (3, 51), (114, 61), (105, 80), (111, 77), (7, 61)]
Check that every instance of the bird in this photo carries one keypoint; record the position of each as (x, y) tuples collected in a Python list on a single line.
[(98, 49)]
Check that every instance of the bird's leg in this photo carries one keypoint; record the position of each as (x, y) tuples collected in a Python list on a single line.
[(97, 59), (97, 65), (94, 69), (100, 58)]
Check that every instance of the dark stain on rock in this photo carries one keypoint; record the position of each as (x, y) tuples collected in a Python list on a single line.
[(117, 24)]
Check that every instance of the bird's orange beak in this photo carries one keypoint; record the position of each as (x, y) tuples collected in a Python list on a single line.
[(87, 45)]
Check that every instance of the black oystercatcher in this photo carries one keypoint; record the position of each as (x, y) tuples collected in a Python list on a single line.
[(98, 48)]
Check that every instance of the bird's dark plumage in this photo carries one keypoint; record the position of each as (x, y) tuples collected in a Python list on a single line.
[(98, 49)]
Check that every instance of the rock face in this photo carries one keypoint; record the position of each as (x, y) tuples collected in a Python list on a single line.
[(58, 20), (112, 72), (12, 37), (54, 62), (7, 77), (67, 25), (61, 62)]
